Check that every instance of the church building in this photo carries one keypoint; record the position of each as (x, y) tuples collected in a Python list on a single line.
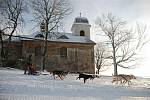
[(73, 52)]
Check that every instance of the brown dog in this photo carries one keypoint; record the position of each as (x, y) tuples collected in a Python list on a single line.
[(60, 74), (123, 79)]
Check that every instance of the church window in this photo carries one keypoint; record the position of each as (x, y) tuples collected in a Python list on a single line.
[(38, 51), (63, 52), (82, 33)]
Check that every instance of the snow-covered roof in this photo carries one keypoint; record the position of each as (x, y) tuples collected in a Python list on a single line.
[(81, 20), (55, 37)]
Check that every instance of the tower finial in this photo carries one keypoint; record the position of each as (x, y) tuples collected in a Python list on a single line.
[(80, 14)]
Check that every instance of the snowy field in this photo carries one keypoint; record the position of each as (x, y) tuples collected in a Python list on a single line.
[(14, 85)]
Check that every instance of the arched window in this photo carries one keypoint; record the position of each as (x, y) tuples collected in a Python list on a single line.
[(82, 33)]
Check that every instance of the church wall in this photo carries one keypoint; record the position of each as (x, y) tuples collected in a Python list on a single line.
[(78, 60), (14, 54), (79, 56)]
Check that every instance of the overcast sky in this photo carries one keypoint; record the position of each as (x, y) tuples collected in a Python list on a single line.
[(131, 10)]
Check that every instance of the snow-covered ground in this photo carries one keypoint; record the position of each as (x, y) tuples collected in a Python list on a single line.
[(14, 85)]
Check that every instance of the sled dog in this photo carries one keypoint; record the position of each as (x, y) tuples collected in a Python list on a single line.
[(123, 79), (85, 77), (60, 74)]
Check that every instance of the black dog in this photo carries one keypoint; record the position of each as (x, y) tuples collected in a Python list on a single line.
[(61, 74), (85, 77)]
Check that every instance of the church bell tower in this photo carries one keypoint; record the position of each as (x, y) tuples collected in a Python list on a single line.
[(81, 27)]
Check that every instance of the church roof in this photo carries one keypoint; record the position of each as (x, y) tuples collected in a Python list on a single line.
[(55, 37)]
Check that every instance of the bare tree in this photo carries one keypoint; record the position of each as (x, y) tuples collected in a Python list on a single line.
[(2, 48), (11, 12), (124, 42), (51, 12), (100, 53), (11, 16)]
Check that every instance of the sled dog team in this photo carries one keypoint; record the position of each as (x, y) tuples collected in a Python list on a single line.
[(121, 78)]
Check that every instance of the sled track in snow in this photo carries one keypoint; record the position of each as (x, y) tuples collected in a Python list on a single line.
[(27, 97), (16, 86)]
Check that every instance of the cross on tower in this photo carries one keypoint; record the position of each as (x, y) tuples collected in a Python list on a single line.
[(80, 14)]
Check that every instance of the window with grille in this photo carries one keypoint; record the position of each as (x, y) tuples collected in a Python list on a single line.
[(63, 52)]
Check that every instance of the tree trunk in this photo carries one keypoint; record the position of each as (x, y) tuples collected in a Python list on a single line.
[(2, 51), (115, 69), (98, 71), (45, 46), (44, 55), (114, 61), (9, 41)]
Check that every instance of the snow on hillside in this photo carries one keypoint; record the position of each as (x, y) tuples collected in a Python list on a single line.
[(14, 85)]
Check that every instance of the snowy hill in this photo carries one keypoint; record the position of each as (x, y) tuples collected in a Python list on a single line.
[(14, 85)]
